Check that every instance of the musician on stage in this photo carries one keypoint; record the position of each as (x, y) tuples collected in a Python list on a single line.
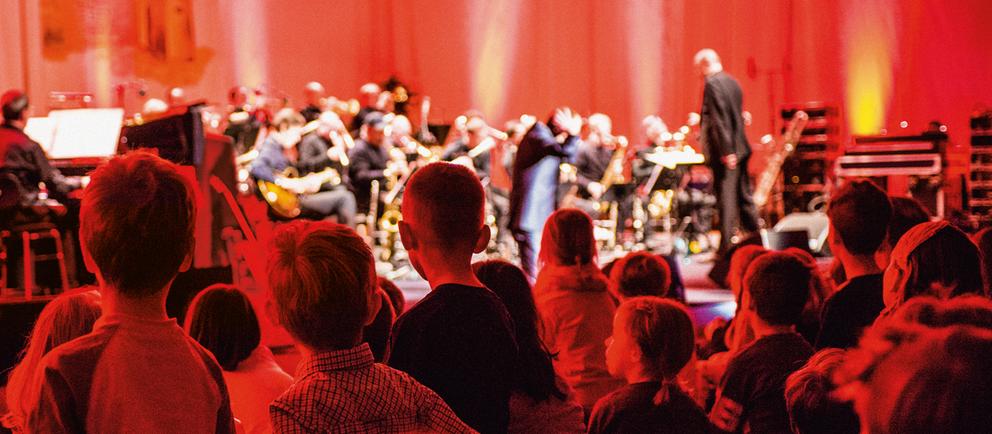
[(243, 125), (726, 148), (370, 160), (313, 95), (534, 194), (369, 98), (474, 145), (593, 157), (279, 151)]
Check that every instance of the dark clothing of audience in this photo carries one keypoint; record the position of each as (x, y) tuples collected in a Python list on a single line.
[(368, 163), (853, 307), (459, 342), (311, 113), (377, 333), (631, 409), (755, 379)]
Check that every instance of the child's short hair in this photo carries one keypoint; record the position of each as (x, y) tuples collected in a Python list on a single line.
[(136, 222), (446, 202), (779, 285), (322, 278), (812, 409), (222, 319), (860, 213), (640, 273), (934, 259), (663, 330), (739, 262), (906, 213), (568, 238), (396, 298)]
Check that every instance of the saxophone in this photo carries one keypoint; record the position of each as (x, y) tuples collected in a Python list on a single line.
[(768, 177)]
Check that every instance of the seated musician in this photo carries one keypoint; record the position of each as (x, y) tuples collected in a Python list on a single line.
[(23, 158), (401, 137), (369, 160), (313, 95), (475, 145), (656, 132), (243, 125), (369, 98), (279, 152), (593, 157), (26, 164)]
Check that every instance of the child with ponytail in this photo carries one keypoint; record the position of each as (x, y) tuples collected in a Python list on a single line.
[(652, 341)]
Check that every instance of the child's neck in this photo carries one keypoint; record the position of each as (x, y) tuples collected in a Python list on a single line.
[(150, 307), (762, 328), (638, 374), (447, 268)]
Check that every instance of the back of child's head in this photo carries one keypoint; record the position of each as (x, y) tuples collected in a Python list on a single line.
[(640, 273), (377, 333), (739, 262), (513, 288), (323, 281), (779, 286), (662, 329), (924, 369), (568, 239), (63, 319), (222, 319), (859, 214), (812, 409), (933, 259), (444, 204), (820, 287), (906, 213), (136, 223)]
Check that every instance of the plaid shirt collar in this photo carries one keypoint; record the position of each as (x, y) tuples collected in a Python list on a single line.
[(338, 360)]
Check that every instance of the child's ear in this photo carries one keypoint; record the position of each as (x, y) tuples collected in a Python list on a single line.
[(375, 304), (87, 258), (483, 240), (187, 262), (636, 354), (406, 236)]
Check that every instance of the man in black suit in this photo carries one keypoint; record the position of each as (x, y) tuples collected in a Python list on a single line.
[(534, 194), (726, 148)]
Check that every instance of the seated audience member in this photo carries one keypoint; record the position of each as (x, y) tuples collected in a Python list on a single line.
[(396, 297), (724, 339), (924, 369), (541, 401), (934, 259), (458, 340), (63, 319), (808, 397), (574, 305), (652, 341), (906, 213), (751, 395), (983, 239), (859, 217), (323, 283), (819, 291), (640, 273), (137, 234), (222, 319), (377, 333)]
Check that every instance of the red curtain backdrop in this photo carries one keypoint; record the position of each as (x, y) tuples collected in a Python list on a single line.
[(881, 61)]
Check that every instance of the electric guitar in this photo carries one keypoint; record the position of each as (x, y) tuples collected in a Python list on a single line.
[(283, 195)]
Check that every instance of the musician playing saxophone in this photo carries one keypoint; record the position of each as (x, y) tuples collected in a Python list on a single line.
[(475, 145), (370, 160), (279, 152)]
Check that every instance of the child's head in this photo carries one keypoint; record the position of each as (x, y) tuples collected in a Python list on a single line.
[(568, 239), (859, 216), (136, 224), (739, 262), (812, 409), (222, 319), (924, 368), (933, 259), (444, 212), (640, 273), (63, 319), (323, 281), (396, 298), (652, 336), (906, 213), (779, 286)]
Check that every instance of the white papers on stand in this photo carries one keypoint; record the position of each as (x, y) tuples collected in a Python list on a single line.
[(41, 130), (85, 133)]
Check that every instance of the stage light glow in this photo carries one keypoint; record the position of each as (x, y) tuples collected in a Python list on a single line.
[(869, 29), (666, 136), (903, 124), (766, 139), (643, 25), (493, 40)]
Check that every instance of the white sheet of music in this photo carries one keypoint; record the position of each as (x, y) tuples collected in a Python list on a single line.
[(41, 130), (84, 133)]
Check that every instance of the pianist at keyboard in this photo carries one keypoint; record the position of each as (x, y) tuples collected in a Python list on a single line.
[(25, 165)]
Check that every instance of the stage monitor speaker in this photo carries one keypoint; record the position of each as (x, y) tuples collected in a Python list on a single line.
[(814, 224)]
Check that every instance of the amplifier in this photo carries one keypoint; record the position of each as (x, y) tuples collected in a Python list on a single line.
[(894, 145), (888, 165)]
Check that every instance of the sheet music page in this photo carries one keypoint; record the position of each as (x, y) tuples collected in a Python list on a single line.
[(41, 130), (86, 132)]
